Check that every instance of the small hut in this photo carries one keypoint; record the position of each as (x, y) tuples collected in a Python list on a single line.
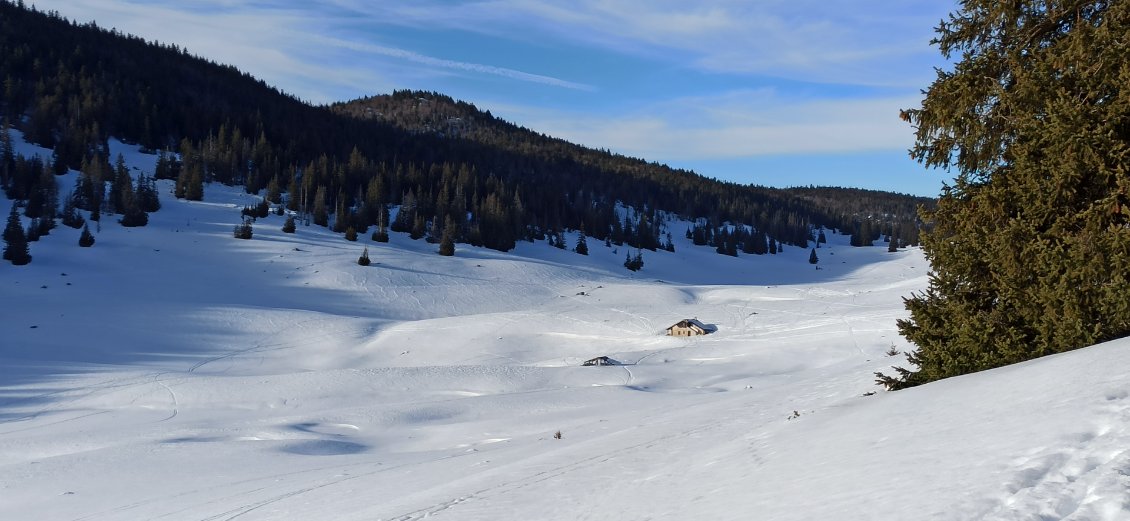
[(688, 327), (601, 360)]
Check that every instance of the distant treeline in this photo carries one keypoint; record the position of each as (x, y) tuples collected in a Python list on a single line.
[(450, 167)]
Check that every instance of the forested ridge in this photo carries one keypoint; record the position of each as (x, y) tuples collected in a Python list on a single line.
[(455, 172)]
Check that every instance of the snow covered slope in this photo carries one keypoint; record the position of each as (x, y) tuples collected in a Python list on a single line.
[(174, 372)]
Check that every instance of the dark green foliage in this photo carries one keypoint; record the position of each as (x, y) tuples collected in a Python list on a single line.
[(190, 183), (1030, 247), (634, 263), (15, 241), (190, 180), (44, 225), (274, 193), (145, 194), (167, 166), (127, 201), (121, 187), (447, 240), (364, 258), (43, 197), (342, 217), (381, 233), (33, 231), (812, 258), (13, 225), (260, 210), (351, 234), (70, 215), (288, 226), (86, 240), (134, 216), (863, 233), (582, 245), (419, 227), (321, 214), (244, 230), (7, 155)]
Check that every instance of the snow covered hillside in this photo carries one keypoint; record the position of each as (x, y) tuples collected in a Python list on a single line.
[(173, 372)]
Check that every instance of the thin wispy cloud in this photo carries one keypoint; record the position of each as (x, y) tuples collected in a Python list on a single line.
[(480, 68), (865, 42), (733, 125), (285, 43)]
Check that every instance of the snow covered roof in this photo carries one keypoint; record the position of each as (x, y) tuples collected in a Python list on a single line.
[(689, 323)]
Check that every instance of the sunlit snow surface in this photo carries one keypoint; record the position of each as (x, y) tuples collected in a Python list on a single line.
[(173, 372)]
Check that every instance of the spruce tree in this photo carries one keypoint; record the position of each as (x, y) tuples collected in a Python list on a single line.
[(33, 231), (582, 244), (419, 227), (15, 242), (145, 194), (274, 193), (364, 258), (71, 216), (341, 216), (634, 263), (7, 155), (812, 258), (243, 231), (381, 233), (121, 187), (1030, 245), (447, 241), (194, 185), (288, 226), (86, 240), (165, 167), (321, 213)]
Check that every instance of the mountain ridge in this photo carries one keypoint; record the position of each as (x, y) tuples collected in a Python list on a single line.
[(70, 87)]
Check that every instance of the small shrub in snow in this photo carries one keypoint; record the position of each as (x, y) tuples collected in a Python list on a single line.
[(243, 231), (364, 258), (634, 263)]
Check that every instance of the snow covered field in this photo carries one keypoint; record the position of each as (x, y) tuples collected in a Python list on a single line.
[(173, 372)]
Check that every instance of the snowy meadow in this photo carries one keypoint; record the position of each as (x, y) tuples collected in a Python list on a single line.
[(173, 372)]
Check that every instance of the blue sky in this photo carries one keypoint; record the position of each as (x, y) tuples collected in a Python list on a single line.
[(771, 92)]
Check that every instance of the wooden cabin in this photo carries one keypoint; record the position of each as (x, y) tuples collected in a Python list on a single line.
[(688, 327)]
